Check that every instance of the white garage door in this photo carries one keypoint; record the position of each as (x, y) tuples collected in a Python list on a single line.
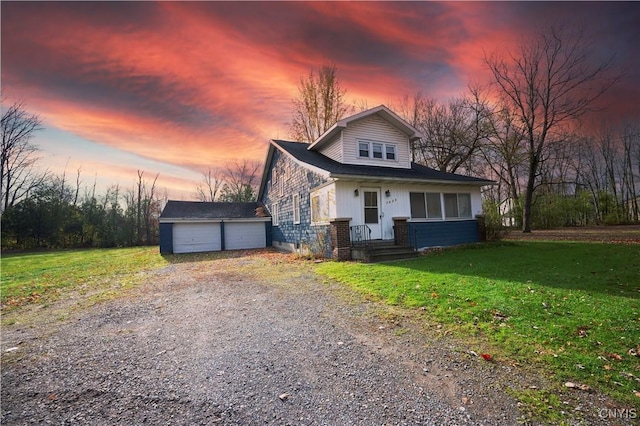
[(244, 235), (196, 237)]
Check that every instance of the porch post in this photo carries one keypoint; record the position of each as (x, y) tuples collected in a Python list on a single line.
[(482, 228), (340, 239), (401, 231)]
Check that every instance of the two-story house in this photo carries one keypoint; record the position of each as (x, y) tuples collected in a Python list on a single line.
[(357, 183)]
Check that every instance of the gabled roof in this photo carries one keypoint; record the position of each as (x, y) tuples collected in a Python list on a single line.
[(216, 210), (381, 111), (417, 172)]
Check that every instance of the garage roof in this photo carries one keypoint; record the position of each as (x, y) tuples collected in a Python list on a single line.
[(217, 210)]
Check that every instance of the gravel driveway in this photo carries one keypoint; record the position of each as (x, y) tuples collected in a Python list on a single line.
[(256, 339)]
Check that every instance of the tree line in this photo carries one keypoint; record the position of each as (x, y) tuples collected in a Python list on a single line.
[(44, 210), (521, 129)]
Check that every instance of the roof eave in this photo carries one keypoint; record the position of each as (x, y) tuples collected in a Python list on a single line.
[(338, 176)]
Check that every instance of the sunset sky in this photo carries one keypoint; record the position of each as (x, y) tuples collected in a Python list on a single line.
[(176, 87)]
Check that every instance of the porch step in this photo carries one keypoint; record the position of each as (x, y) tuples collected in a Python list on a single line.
[(383, 251)]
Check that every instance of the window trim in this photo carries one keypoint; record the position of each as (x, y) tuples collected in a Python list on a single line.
[(296, 208), (275, 214)]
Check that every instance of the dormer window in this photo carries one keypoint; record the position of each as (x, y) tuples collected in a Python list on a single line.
[(363, 149), (376, 150), (391, 152)]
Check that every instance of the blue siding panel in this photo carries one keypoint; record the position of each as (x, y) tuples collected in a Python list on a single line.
[(443, 234), (166, 238), (222, 235), (268, 233)]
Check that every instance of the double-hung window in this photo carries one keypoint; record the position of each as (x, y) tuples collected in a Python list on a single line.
[(363, 149), (377, 150), (390, 152)]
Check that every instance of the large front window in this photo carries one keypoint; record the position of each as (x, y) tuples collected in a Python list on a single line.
[(430, 205)]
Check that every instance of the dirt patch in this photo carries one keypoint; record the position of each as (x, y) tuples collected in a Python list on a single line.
[(623, 234)]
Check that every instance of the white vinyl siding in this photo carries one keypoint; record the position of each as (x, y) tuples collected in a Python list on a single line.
[(378, 130), (333, 149), (196, 237), (244, 235)]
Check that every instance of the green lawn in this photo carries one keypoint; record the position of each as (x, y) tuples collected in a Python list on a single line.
[(40, 277), (572, 309)]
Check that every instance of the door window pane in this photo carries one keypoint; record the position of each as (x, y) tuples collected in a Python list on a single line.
[(370, 207)]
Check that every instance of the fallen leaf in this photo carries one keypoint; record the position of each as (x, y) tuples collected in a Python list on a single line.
[(608, 367), (283, 396), (636, 393), (486, 356), (580, 386), (615, 356)]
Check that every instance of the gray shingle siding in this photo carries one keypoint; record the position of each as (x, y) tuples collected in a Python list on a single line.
[(297, 180)]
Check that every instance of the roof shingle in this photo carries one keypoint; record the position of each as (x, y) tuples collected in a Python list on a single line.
[(417, 172), (216, 210)]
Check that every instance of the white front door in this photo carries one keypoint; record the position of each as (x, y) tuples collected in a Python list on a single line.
[(372, 212)]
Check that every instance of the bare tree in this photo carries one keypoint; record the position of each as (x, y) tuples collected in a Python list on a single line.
[(453, 132), (240, 181), (17, 157), (504, 155), (320, 103), (547, 81), (211, 185)]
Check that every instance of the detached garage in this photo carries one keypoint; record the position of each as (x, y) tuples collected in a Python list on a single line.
[(191, 226)]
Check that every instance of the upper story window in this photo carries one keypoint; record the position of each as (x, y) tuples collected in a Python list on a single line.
[(376, 150), (391, 152), (363, 149)]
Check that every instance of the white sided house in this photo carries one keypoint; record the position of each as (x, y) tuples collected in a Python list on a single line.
[(356, 186)]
